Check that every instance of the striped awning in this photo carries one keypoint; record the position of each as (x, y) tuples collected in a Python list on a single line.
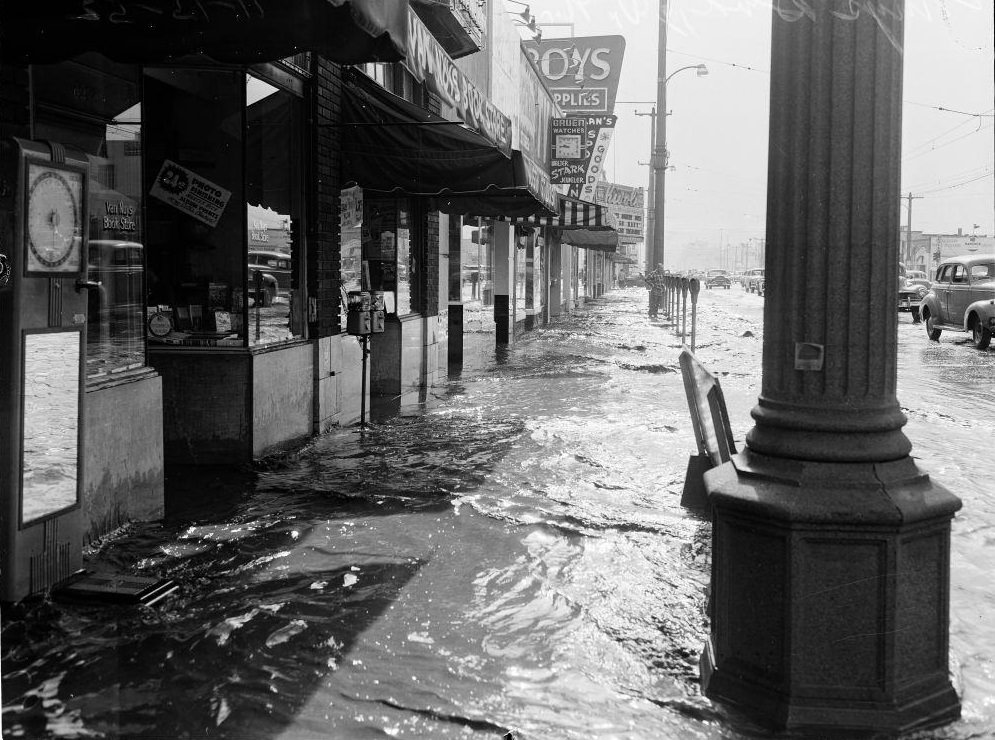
[(573, 214)]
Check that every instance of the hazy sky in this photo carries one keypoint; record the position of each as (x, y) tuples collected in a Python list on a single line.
[(717, 130)]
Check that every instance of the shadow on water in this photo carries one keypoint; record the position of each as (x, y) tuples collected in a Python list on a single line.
[(279, 577)]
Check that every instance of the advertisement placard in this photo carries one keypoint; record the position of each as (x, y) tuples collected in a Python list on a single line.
[(187, 191)]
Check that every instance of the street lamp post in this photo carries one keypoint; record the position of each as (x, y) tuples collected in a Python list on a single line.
[(649, 235), (659, 157)]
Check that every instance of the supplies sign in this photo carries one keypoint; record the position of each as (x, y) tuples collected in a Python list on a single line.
[(189, 192)]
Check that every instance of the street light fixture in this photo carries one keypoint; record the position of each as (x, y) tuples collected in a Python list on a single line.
[(660, 155)]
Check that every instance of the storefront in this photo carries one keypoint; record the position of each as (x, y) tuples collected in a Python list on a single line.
[(423, 175), (198, 275), (573, 244)]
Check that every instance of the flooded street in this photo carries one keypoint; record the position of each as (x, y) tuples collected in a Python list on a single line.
[(511, 558)]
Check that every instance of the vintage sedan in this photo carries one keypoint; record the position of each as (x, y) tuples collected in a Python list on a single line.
[(752, 280), (910, 297), (962, 298), (717, 279)]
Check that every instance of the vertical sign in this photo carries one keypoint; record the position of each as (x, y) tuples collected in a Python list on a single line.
[(578, 147)]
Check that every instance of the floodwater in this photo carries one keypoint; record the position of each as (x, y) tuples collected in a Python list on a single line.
[(512, 557)]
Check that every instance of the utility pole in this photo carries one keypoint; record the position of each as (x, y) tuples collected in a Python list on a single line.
[(907, 257), (650, 234), (659, 158)]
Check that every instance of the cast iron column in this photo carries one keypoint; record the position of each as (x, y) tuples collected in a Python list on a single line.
[(831, 548)]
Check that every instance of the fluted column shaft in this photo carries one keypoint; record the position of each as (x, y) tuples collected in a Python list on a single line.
[(833, 217)]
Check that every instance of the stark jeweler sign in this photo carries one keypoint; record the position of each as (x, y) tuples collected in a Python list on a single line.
[(187, 191)]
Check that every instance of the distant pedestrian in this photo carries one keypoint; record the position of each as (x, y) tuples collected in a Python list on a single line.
[(654, 283)]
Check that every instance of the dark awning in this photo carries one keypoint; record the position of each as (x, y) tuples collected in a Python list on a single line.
[(392, 146), (602, 240), (237, 31)]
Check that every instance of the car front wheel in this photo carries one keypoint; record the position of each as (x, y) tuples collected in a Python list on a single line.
[(931, 331), (981, 334)]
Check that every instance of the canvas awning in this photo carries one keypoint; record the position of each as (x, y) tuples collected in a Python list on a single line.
[(243, 32), (572, 213), (392, 146), (579, 222), (603, 240)]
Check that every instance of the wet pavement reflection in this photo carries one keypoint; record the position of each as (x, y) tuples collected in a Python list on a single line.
[(509, 556)]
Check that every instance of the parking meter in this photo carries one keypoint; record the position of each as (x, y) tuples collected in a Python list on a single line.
[(694, 286), (358, 313), (377, 312), (685, 287)]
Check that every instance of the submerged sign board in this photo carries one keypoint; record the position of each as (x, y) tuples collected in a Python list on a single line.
[(581, 74)]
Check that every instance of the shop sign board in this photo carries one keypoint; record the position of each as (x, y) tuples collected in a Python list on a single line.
[(431, 64), (535, 111), (626, 204), (947, 246), (577, 143), (187, 191), (582, 74)]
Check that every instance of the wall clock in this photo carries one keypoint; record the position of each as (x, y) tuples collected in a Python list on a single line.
[(54, 219)]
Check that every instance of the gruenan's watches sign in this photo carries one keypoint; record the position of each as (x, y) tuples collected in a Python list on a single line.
[(626, 204), (578, 147), (581, 74), (187, 191), (430, 64)]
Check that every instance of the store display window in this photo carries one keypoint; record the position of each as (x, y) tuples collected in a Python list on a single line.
[(390, 258), (92, 105), (522, 237), (224, 178)]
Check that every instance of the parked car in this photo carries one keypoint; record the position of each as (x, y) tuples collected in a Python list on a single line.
[(752, 280), (268, 287), (631, 281), (962, 298), (910, 296), (717, 279), (918, 277), (277, 264)]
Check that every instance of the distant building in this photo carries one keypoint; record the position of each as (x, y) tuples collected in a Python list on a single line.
[(928, 250)]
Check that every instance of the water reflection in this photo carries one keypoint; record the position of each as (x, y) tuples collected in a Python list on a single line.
[(50, 423)]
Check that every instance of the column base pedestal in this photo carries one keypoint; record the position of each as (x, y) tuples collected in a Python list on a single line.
[(830, 595)]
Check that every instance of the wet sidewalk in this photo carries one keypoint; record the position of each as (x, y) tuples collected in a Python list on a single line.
[(510, 558)]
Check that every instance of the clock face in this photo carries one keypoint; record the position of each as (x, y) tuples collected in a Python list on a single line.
[(160, 324), (53, 219)]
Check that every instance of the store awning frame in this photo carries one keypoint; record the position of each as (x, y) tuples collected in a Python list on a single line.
[(572, 213), (602, 240), (391, 146), (243, 32)]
